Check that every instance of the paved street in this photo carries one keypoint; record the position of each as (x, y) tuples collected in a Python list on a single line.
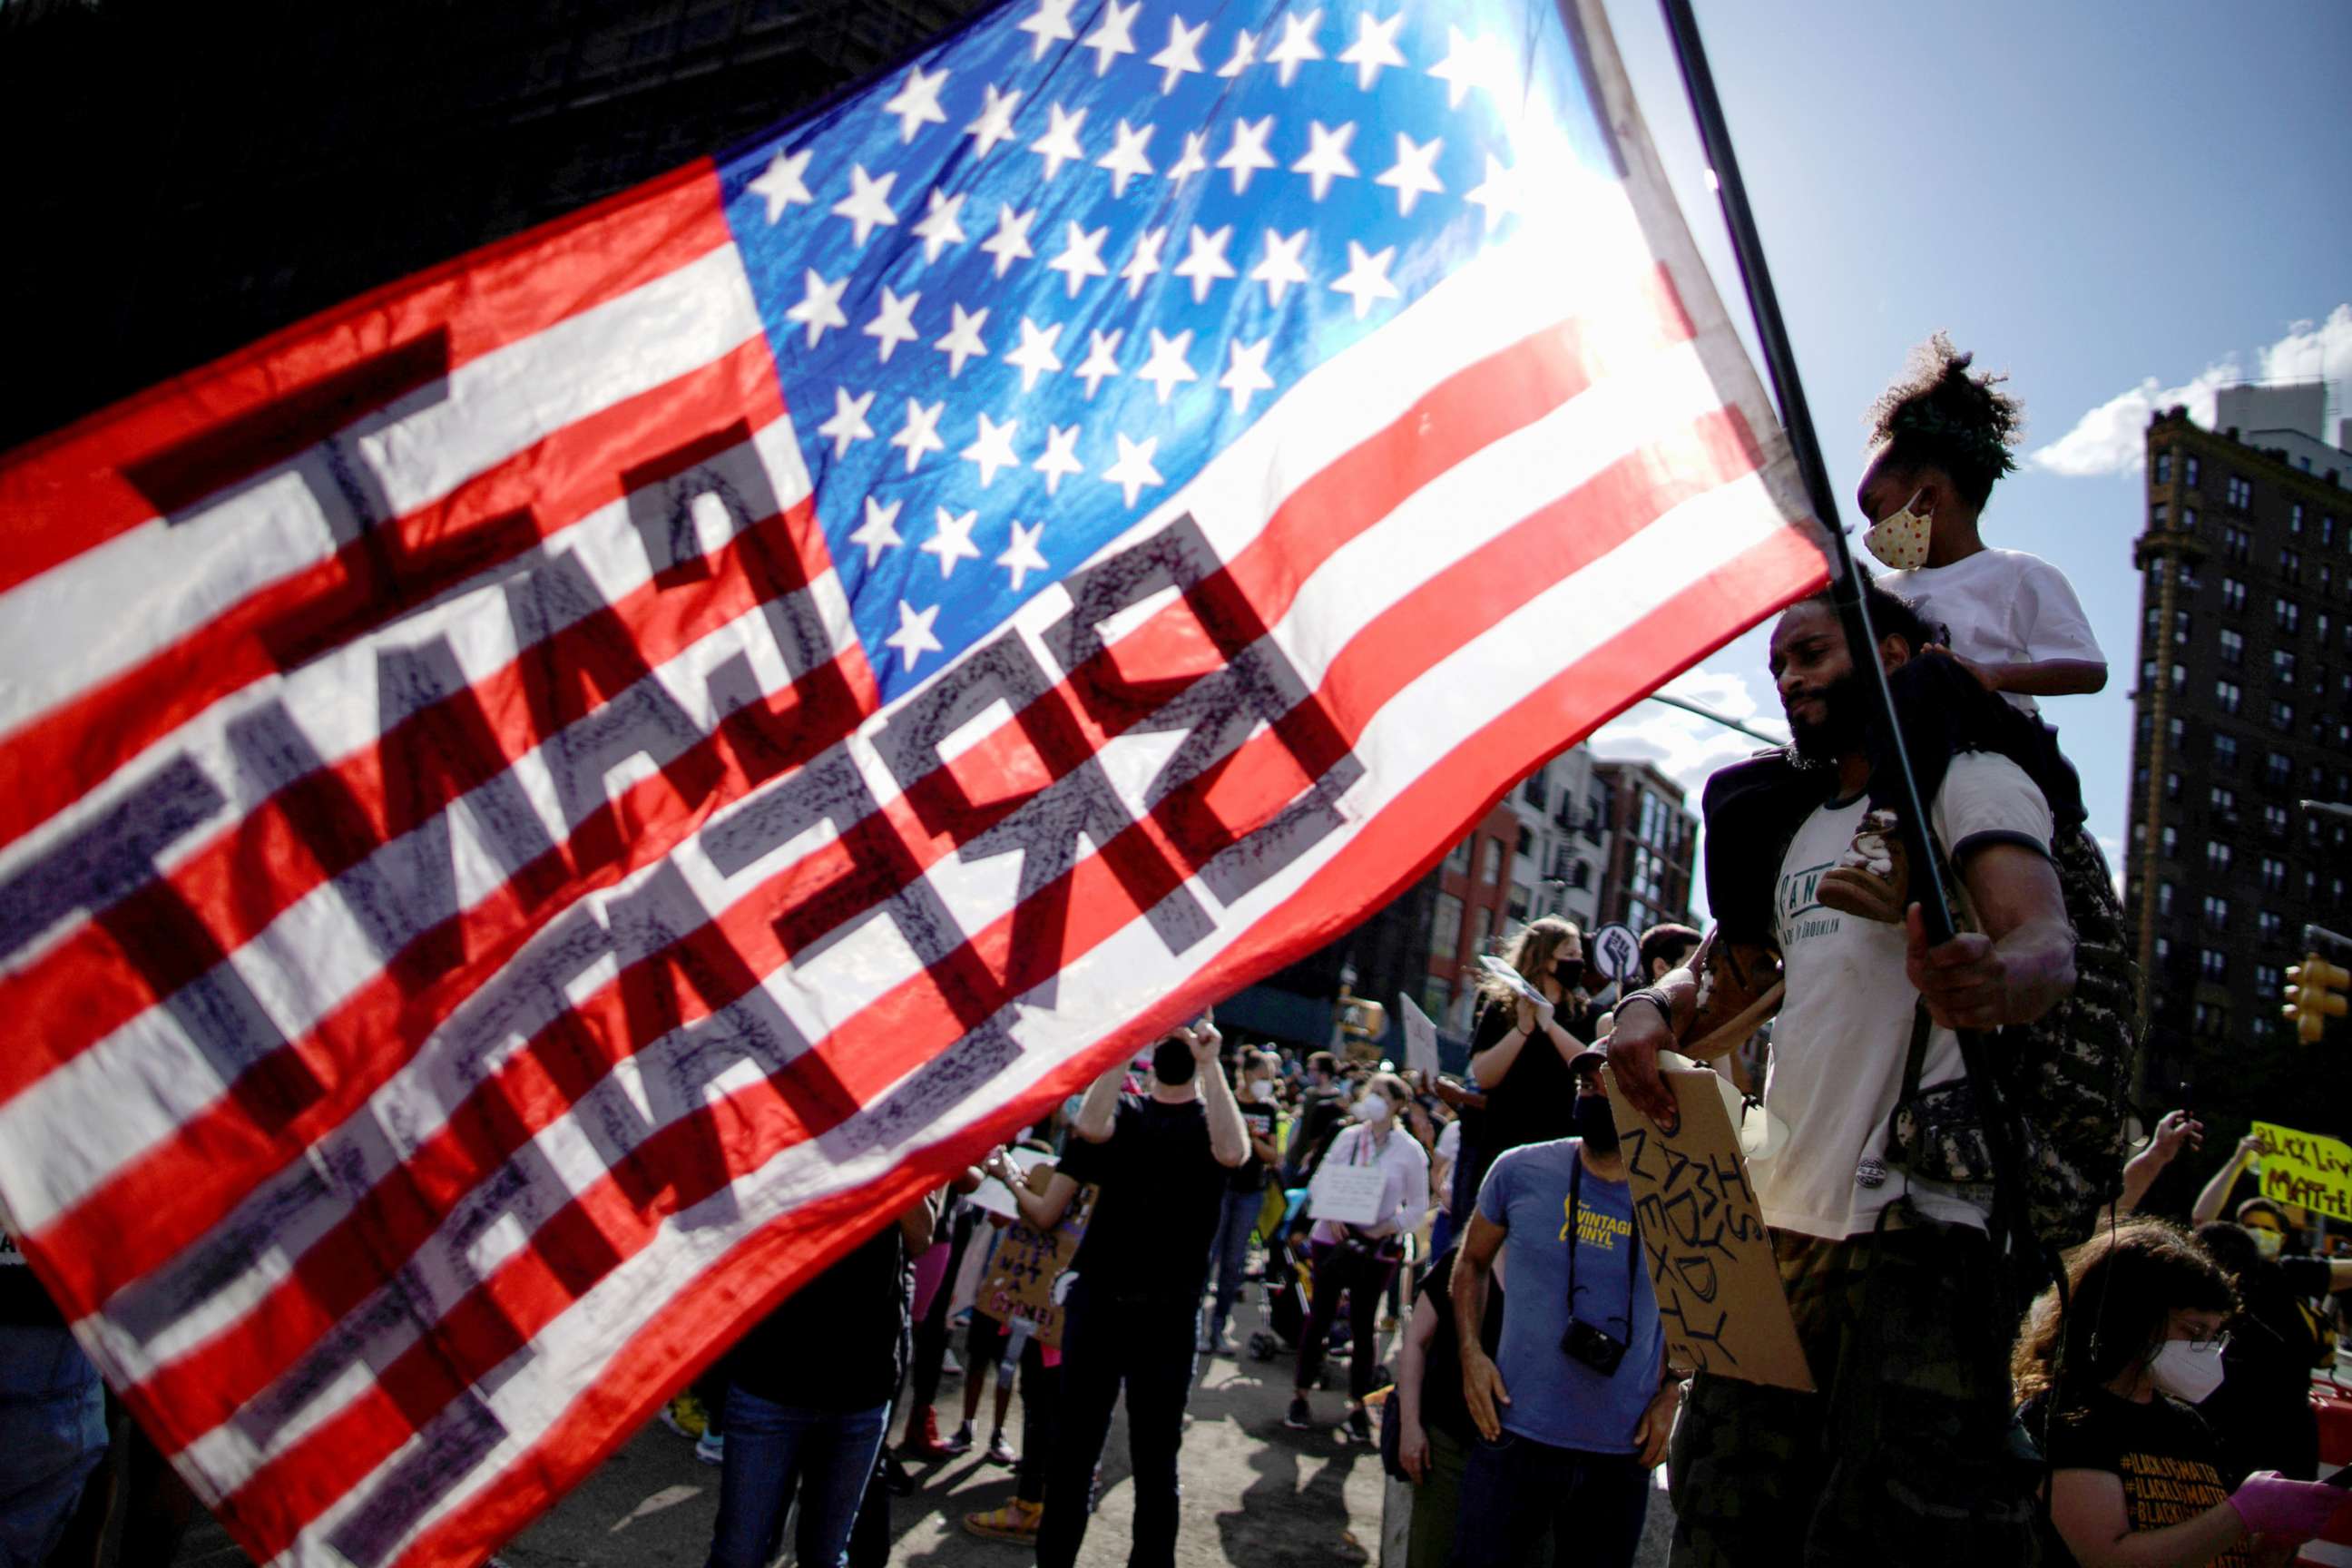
[(1255, 1493)]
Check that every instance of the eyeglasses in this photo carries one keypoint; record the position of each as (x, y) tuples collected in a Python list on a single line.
[(2213, 1346)]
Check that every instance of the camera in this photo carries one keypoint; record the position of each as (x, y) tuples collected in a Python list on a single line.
[(1596, 1348)]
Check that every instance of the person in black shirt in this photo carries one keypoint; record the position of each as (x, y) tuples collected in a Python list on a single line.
[(2106, 1383), (808, 1399), (1322, 1110), (1434, 1443), (1520, 1052), (1161, 1162), (1244, 1193), (2261, 1411)]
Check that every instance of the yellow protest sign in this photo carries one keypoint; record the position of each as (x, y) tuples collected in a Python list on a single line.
[(2306, 1169)]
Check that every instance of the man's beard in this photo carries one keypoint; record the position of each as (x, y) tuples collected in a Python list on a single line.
[(1839, 729)]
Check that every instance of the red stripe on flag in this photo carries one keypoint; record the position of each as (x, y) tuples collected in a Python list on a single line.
[(68, 492)]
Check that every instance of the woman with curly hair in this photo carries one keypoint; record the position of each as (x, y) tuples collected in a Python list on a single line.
[(2106, 1373), (1520, 1052)]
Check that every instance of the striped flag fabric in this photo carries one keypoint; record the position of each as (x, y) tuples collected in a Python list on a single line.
[(540, 806)]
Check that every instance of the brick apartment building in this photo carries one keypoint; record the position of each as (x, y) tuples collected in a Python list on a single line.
[(1652, 846)]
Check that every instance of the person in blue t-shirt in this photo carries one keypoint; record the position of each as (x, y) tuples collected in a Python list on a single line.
[(1573, 1408)]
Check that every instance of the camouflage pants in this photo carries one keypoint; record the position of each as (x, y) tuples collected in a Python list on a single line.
[(1901, 1454)]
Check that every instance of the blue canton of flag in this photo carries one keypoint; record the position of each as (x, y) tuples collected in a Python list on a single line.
[(1020, 291)]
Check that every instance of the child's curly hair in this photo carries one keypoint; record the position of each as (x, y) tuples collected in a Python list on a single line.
[(1938, 415)]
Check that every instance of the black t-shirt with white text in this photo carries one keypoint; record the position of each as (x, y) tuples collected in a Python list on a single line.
[(1258, 1120), (1162, 1191), (2168, 1459)]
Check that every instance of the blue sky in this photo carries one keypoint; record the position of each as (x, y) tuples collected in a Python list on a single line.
[(2120, 207)]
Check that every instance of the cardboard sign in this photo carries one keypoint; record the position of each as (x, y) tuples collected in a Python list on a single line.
[(995, 1197), (1028, 1263), (1347, 1194), (1710, 1258), (1419, 1038), (2306, 1170), (1509, 976)]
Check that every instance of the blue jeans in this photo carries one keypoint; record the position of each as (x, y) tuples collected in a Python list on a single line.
[(52, 1434), (770, 1448), (1517, 1493), (1229, 1254)]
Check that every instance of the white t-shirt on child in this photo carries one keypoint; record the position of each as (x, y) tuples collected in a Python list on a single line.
[(2003, 607)]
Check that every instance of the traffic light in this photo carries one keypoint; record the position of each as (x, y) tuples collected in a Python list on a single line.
[(1363, 1019), (2314, 994)]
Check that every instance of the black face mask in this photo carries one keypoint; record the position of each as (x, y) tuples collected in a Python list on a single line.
[(1594, 1124), (1172, 1063)]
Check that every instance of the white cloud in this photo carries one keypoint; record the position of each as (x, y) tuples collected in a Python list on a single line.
[(2111, 438), (1686, 747)]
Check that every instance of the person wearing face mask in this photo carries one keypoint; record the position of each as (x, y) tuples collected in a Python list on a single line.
[(2263, 1411), (1244, 1195), (2106, 1374), (1160, 1161), (1357, 1260), (1573, 1408), (1519, 1050)]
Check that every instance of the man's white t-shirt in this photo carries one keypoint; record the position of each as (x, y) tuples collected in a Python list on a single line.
[(2003, 607), (1844, 1028)]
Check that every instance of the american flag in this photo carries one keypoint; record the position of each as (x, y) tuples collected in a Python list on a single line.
[(538, 807)]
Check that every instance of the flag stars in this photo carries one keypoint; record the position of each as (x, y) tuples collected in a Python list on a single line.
[(1010, 242), (784, 182), (1415, 171), (1375, 46), (893, 322), (848, 424), (1145, 262), (1168, 366), (1114, 35), (962, 342), (1021, 557), (1471, 62), (991, 449), (1182, 54), (1367, 278), (1205, 263), (1047, 25), (1281, 266), (950, 540), (917, 102), (941, 224), (1193, 160), (1247, 376), (1126, 160), (1297, 44), (820, 306), (880, 531), (1060, 456), (1035, 355), (1059, 145), (1133, 470), (920, 434), (1498, 194), (1081, 256), (1102, 360), (995, 121), (1244, 55), (1326, 159), (1248, 154), (868, 204), (913, 639)]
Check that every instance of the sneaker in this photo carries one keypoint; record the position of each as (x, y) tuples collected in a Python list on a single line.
[(1300, 1418), (959, 1443), (895, 1479), (1359, 1426), (1016, 1521), (711, 1448), (686, 1416), (1000, 1452), (1221, 1342), (926, 1444), (949, 1365), (1872, 880)]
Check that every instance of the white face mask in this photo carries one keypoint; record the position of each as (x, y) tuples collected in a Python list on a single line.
[(2267, 1242), (1899, 541), (2189, 1372), (1261, 1089), (1373, 1108)]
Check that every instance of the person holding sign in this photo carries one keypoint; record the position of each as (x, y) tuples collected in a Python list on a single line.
[(1131, 1319), (1530, 1005), (1892, 1280), (1371, 1193)]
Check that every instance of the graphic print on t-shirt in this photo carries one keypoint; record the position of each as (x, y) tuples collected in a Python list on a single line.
[(1800, 916), (2160, 1490), (1595, 1228)]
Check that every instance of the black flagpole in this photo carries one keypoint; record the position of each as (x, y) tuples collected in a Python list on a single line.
[(1780, 366)]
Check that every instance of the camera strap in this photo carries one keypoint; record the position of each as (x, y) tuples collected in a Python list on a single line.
[(1576, 1242)]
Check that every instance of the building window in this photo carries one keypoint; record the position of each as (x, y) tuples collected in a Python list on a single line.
[(2278, 772), (2282, 716), (2227, 694), (2294, 519), (2238, 492), (2217, 857), (2224, 801), (2171, 785), (2164, 467), (1446, 934), (1495, 853), (2212, 964), (1521, 897), (2289, 615), (2236, 543), (2164, 950), (2169, 842), (2275, 820), (2209, 1020), (2281, 667), (2233, 646), (1482, 929), (2270, 926), (2181, 626), (1526, 839), (2291, 564), (2225, 753), (2274, 874), (2158, 516), (2266, 979), (2234, 595), (2215, 910), (1458, 858), (2188, 470), (2327, 530), (1532, 792), (2163, 897)]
